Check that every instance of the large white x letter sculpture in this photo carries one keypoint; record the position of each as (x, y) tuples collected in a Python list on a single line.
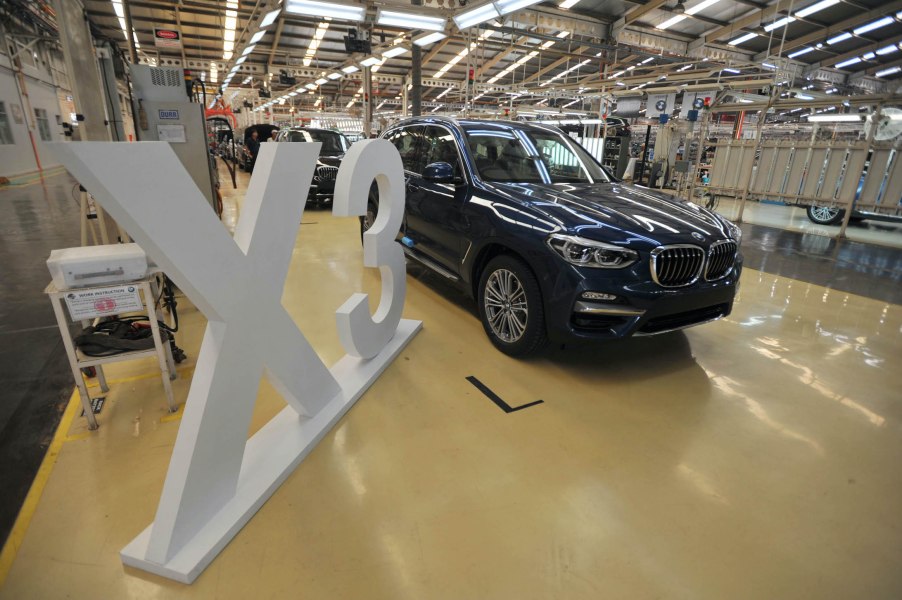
[(217, 479)]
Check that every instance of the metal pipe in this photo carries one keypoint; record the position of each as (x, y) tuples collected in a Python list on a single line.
[(130, 33)]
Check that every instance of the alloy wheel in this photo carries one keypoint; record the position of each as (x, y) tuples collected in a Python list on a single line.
[(824, 213), (505, 305)]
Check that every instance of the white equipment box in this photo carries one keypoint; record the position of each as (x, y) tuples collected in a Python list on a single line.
[(96, 265)]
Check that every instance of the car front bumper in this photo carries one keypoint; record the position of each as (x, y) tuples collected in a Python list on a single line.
[(641, 307)]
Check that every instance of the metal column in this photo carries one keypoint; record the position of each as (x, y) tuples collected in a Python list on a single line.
[(416, 77), (81, 64), (367, 102)]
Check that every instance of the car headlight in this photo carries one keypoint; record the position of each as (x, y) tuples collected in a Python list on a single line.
[(735, 232), (589, 253)]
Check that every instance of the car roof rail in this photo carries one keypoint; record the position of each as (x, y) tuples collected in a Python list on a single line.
[(427, 119)]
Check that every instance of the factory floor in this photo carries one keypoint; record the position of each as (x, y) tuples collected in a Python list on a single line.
[(753, 457), (793, 218)]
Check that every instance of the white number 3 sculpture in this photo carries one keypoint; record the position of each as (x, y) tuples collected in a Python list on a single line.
[(217, 479)]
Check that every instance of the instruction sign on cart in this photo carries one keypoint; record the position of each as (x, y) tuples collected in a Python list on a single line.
[(103, 302)]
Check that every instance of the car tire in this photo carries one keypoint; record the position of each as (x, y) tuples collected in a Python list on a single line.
[(367, 220), (511, 308), (825, 215)]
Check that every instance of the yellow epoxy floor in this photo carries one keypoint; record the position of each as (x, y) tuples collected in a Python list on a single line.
[(754, 457)]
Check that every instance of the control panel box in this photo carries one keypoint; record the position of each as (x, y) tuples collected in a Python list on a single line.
[(96, 265)]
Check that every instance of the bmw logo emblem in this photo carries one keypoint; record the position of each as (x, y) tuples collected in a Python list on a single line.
[(697, 236)]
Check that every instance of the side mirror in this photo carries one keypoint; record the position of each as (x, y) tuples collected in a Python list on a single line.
[(439, 172)]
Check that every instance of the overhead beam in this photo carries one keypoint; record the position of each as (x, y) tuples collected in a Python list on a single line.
[(828, 32), (889, 65), (275, 44), (501, 55), (637, 12), (434, 52), (737, 26), (553, 66), (835, 60)]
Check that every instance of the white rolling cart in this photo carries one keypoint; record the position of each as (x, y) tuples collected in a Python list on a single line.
[(110, 300)]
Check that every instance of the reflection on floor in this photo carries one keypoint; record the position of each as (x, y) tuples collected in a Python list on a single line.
[(754, 457), (793, 218), (34, 373), (867, 269)]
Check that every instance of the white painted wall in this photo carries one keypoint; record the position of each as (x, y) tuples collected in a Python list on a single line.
[(18, 158)]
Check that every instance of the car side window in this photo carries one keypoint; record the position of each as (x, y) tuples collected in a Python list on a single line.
[(409, 142), (442, 147)]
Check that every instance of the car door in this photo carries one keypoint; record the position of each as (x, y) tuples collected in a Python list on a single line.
[(435, 216), (409, 143)]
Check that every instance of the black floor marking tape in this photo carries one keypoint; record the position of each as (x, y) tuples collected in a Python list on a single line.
[(96, 405), (497, 399)]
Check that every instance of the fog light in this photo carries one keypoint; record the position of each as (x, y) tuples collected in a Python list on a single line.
[(598, 296)]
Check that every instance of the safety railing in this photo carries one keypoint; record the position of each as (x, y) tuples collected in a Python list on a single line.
[(812, 173)]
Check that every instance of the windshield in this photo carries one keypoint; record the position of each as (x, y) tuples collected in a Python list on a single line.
[(522, 156), (333, 143)]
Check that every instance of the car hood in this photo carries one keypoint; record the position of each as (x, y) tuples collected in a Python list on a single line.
[(333, 160), (611, 211)]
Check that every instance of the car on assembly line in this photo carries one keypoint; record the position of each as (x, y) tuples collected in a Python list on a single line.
[(550, 245), (334, 146)]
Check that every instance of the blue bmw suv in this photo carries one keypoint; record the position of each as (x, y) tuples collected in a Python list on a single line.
[(550, 245)]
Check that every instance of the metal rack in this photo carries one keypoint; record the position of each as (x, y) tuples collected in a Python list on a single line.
[(79, 361)]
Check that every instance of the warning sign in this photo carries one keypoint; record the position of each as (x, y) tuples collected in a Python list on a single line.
[(167, 38), (103, 302)]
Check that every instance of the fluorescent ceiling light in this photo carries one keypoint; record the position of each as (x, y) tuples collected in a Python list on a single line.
[(429, 38), (475, 16), (804, 97), (270, 18), (670, 22), (508, 6), (257, 37), (779, 23), (394, 51), (240, 60), (834, 118), (728, 70), (568, 4), (685, 68), (334, 75), (248, 50), (321, 81), (310, 86), (888, 50), (846, 63), (405, 20), (295, 93), (817, 7), (369, 61), (743, 38), (618, 73), (840, 38), (332, 10), (874, 25), (868, 56), (350, 69), (647, 60), (693, 10), (805, 50), (890, 71)]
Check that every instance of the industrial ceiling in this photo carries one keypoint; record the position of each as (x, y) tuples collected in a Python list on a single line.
[(567, 51)]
